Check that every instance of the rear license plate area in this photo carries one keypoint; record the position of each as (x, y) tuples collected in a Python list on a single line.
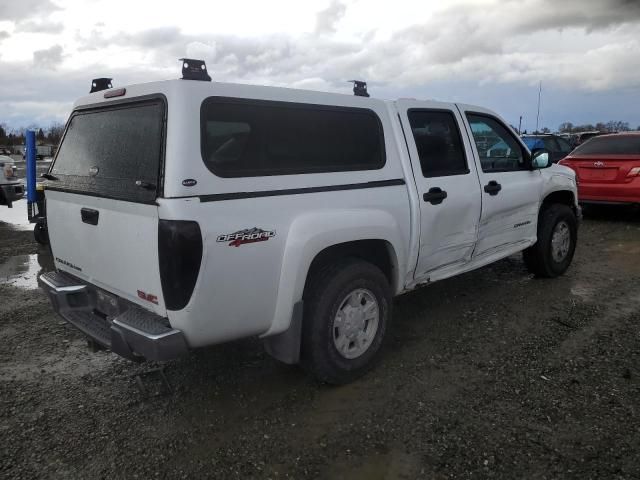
[(596, 174), (107, 303)]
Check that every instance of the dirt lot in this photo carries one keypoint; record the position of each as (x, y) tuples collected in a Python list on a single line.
[(493, 374)]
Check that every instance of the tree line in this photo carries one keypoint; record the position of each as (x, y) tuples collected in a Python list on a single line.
[(612, 126), (16, 137)]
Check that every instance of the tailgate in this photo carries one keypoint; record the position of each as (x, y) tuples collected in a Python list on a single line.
[(115, 249)]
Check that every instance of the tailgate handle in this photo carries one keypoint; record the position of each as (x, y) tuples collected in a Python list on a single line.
[(89, 216)]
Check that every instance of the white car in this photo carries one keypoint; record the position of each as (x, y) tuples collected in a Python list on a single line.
[(187, 213), (11, 188)]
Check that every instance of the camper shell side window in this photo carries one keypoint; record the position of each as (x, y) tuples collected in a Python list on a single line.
[(250, 138)]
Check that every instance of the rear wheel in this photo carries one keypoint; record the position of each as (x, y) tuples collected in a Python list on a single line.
[(552, 254), (347, 311)]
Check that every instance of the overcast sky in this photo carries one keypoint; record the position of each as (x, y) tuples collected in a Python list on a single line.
[(488, 52)]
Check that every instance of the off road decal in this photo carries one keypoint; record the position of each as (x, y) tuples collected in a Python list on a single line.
[(249, 235)]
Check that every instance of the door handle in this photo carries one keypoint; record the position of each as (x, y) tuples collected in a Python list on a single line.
[(435, 196), (89, 216), (492, 188)]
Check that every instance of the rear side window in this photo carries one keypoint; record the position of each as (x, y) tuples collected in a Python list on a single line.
[(438, 142), (249, 138), (616, 145), (113, 152)]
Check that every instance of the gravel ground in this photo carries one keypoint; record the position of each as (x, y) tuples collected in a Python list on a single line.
[(493, 374)]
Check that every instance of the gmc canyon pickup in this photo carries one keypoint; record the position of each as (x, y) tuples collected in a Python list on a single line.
[(187, 213)]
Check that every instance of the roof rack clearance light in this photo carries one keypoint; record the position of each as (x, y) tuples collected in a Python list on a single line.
[(359, 88), (194, 70)]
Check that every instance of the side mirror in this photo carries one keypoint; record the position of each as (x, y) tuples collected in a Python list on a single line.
[(540, 159)]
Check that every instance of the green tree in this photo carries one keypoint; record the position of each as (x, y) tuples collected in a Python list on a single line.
[(566, 127), (54, 133)]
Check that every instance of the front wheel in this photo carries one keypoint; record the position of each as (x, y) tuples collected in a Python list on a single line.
[(347, 311), (552, 254)]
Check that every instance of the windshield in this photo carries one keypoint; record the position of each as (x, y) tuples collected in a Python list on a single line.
[(113, 152), (613, 145)]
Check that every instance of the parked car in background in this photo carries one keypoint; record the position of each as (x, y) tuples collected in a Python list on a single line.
[(42, 151), (582, 137), (557, 146), (11, 189), (608, 169)]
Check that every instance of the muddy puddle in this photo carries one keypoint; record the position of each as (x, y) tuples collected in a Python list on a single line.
[(22, 271)]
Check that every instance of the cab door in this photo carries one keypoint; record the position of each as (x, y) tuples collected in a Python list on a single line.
[(511, 190), (447, 183)]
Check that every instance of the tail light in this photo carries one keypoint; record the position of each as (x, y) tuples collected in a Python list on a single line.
[(634, 172), (566, 163), (180, 256)]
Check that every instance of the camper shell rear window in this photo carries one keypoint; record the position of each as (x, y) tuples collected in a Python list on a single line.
[(250, 138), (114, 151)]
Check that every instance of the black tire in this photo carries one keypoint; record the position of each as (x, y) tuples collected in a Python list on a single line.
[(324, 295), (539, 258), (41, 234)]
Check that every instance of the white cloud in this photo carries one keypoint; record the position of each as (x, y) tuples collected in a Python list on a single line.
[(326, 19), (20, 9), (48, 58)]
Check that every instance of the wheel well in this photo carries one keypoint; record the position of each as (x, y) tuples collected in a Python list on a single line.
[(378, 252), (564, 197)]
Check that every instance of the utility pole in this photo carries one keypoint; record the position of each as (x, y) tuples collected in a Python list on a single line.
[(520, 126), (538, 115)]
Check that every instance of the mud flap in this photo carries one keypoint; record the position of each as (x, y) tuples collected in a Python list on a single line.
[(285, 346)]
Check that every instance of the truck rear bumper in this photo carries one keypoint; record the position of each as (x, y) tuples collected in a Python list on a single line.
[(113, 323)]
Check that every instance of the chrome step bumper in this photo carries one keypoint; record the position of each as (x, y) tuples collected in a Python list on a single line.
[(125, 328)]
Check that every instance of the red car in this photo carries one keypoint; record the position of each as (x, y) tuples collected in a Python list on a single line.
[(607, 169)]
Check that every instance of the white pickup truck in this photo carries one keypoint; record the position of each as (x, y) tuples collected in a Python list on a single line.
[(186, 213), (11, 188)]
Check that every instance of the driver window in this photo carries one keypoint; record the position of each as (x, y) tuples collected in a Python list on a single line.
[(499, 151)]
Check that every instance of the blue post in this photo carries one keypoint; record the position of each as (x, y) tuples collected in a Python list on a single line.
[(31, 166)]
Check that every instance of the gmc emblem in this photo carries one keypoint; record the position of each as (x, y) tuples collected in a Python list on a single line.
[(148, 297)]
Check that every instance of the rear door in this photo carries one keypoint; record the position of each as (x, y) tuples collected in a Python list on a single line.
[(101, 210), (511, 191), (447, 183)]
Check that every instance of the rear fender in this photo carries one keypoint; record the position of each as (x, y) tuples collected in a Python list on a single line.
[(311, 233)]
